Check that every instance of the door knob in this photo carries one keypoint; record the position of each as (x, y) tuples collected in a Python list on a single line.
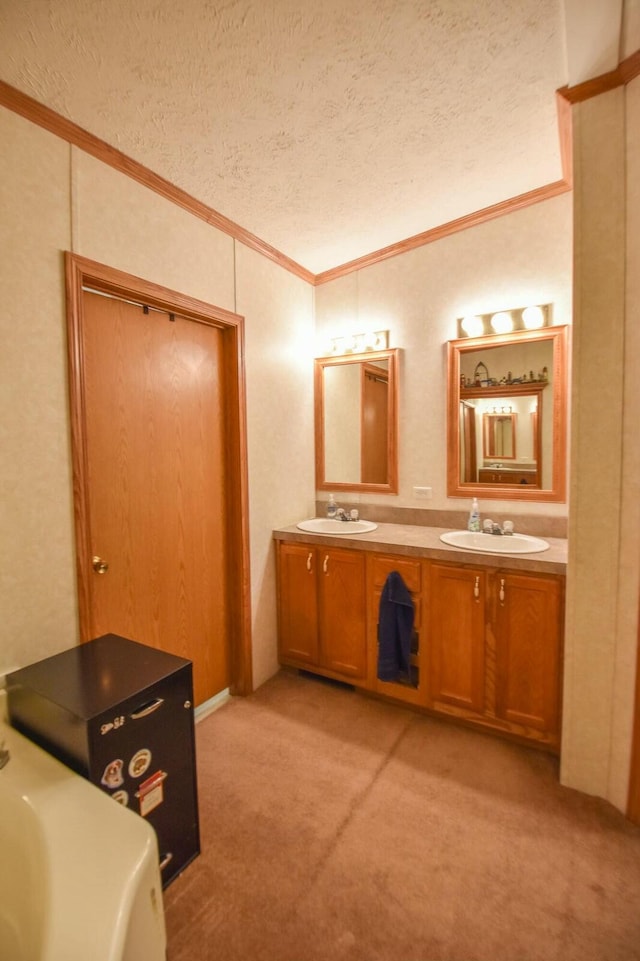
[(99, 566)]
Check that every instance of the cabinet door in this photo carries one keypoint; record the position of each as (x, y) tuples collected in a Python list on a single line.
[(456, 637), (342, 611), (297, 603), (528, 629)]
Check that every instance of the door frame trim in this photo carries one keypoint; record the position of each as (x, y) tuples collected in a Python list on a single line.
[(81, 272), (633, 800)]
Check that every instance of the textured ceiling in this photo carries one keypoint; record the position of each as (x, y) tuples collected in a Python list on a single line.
[(328, 128)]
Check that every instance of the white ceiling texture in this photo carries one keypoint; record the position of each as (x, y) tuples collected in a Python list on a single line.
[(327, 128)]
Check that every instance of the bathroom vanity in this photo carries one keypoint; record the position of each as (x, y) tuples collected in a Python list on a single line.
[(488, 629)]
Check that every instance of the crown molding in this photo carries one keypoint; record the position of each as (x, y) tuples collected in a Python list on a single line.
[(30, 109), (626, 71), (446, 230), (43, 116)]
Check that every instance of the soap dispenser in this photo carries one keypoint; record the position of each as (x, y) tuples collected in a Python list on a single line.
[(474, 516), (332, 507)]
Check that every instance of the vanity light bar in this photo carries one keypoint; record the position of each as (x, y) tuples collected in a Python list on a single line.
[(358, 343), (506, 321)]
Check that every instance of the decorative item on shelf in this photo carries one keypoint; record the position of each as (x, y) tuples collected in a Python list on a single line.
[(477, 380)]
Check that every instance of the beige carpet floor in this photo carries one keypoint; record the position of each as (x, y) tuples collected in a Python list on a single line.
[(335, 826)]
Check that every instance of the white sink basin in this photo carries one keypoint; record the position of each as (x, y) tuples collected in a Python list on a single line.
[(494, 543), (327, 525)]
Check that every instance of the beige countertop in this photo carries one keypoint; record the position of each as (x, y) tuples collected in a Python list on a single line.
[(414, 541)]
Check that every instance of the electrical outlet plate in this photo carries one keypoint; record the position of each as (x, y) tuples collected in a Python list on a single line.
[(424, 492)]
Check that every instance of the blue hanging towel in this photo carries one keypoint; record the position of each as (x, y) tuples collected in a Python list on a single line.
[(395, 631)]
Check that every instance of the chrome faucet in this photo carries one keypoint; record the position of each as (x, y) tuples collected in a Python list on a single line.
[(341, 515), (492, 527)]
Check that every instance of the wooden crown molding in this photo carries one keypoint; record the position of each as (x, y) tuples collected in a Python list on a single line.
[(445, 230), (37, 113), (625, 72), (44, 117)]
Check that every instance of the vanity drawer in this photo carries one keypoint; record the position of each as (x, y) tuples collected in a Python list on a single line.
[(409, 570)]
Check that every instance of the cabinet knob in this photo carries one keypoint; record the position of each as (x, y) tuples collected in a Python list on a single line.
[(476, 588), (99, 565), (309, 558), (325, 564), (501, 595)]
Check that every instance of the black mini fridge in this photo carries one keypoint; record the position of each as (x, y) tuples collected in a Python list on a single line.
[(120, 713)]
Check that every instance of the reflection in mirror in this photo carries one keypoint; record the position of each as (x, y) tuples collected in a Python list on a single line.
[(499, 436), (356, 422), (510, 392)]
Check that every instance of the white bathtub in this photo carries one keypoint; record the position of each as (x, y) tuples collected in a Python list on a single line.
[(79, 877)]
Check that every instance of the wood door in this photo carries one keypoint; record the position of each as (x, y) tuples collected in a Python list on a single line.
[(456, 637), (374, 453), (156, 482), (468, 453), (528, 629), (297, 603), (342, 611)]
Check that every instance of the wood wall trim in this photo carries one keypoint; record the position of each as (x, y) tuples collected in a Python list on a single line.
[(565, 136), (24, 105), (48, 119), (626, 71), (633, 801), (36, 112), (445, 230)]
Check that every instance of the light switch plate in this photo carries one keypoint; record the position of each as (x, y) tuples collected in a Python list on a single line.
[(424, 492)]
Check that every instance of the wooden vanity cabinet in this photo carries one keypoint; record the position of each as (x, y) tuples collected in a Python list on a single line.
[(495, 649), (493, 475), (322, 610), (487, 645)]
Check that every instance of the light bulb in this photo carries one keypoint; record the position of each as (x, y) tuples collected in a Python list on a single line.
[(472, 326), (502, 323), (533, 317)]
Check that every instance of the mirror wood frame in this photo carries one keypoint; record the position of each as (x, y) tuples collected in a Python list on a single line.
[(371, 356), (557, 409)]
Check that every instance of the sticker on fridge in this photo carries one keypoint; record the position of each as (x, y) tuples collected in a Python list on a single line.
[(139, 763), (151, 793), (112, 776)]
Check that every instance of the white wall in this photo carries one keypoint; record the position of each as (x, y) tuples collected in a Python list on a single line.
[(37, 581), (57, 198), (278, 309), (522, 258), (604, 524)]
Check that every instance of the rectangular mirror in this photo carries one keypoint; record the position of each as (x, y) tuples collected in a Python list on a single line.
[(506, 416), (356, 414)]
